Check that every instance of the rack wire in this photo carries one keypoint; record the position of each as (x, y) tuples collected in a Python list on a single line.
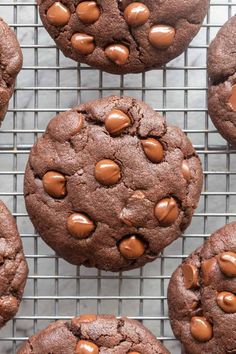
[(50, 83)]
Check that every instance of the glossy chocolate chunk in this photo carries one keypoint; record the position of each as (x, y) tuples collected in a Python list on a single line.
[(54, 183), (166, 211), (162, 36), (186, 170), (83, 43), (86, 347), (118, 53), (132, 247), (201, 329), (227, 263), (136, 14), (232, 99), (107, 172), (116, 122), (80, 226), (85, 318), (88, 11), (58, 14), (191, 276), (227, 301), (153, 149)]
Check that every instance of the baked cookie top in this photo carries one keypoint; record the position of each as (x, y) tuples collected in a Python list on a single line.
[(202, 296), (10, 65), (13, 266), (222, 81), (123, 36), (110, 185), (91, 334)]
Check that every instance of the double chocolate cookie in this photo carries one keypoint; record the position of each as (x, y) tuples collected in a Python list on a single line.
[(10, 65), (222, 81), (202, 296), (110, 185), (122, 36), (13, 266), (91, 334)]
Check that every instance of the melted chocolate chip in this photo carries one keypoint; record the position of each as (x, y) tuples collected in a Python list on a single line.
[(116, 122), (54, 183), (136, 14), (132, 247), (186, 170), (227, 263), (107, 172), (86, 347), (207, 267), (58, 14), (201, 329), (191, 276), (83, 43), (86, 318), (166, 211), (232, 99), (162, 36), (153, 150), (80, 226), (118, 53), (227, 301), (88, 11)]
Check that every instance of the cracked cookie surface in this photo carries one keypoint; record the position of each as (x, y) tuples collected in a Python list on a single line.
[(13, 266), (91, 334), (222, 81), (202, 296), (10, 65), (122, 36), (110, 184)]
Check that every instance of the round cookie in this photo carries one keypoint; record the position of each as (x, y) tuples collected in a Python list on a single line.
[(222, 81), (13, 266), (109, 184), (202, 296), (91, 334), (122, 36), (11, 63)]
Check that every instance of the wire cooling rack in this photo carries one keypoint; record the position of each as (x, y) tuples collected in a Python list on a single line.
[(50, 83)]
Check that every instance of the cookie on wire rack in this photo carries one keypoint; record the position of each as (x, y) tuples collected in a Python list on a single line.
[(122, 36)]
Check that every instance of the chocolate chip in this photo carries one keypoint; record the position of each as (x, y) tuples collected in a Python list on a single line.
[(207, 267), (54, 183), (166, 211), (232, 99), (118, 53), (186, 170), (227, 301), (83, 43), (116, 122), (136, 14), (201, 329), (80, 226), (86, 318), (191, 276), (107, 172), (58, 14), (162, 36), (86, 347), (227, 263), (132, 247), (88, 11), (153, 149)]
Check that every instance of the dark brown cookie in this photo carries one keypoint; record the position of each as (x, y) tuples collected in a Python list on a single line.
[(10, 65), (202, 296), (110, 185), (91, 334), (13, 266), (122, 36), (222, 81)]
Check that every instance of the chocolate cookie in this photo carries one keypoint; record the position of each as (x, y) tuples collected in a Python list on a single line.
[(10, 65), (202, 296), (222, 81), (13, 266), (110, 185), (122, 36), (91, 334)]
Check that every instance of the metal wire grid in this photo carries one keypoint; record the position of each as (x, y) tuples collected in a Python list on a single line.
[(50, 83)]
